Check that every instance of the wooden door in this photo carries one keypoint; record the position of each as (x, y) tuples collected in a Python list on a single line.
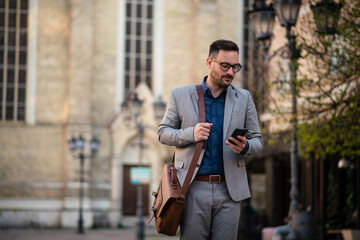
[(130, 195)]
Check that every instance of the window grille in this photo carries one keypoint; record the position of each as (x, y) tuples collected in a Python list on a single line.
[(13, 54), (138, 43)]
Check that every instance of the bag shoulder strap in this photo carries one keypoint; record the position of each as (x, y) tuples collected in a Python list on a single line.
[(200, 93), (198, 147)]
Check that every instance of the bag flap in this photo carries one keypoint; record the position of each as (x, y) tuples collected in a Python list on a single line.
[(167, 190)]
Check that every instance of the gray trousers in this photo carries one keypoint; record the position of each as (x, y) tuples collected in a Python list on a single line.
[(209, 213)]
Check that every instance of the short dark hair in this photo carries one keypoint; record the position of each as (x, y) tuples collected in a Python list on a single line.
[(221, 44)]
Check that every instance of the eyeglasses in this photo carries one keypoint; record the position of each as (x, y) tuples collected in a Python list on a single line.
[(226, 66)]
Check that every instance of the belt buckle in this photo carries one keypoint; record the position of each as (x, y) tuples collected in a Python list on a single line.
[(211, 176)]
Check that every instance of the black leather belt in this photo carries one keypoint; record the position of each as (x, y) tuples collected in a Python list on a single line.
[(210, 178)]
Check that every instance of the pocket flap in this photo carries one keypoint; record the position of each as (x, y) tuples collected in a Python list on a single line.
[(179, 164), (241, 162)]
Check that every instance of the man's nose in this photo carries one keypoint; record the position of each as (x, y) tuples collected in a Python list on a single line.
[(230, 71)]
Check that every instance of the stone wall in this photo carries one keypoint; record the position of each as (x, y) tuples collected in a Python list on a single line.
[(190, 27), (52, 62), (31, 154), (75, 94)]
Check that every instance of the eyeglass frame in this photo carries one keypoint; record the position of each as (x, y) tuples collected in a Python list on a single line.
[(230, 66)]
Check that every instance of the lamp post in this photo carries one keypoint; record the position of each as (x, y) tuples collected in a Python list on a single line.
[(326, 15), (79, 144), (132, 111), (262, 16)]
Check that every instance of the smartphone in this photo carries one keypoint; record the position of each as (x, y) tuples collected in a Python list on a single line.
[(237, 132)]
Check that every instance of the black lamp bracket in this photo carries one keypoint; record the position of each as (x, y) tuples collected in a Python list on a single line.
[(287, 51)]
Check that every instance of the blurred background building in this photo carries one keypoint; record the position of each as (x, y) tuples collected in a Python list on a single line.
[(68, 68)]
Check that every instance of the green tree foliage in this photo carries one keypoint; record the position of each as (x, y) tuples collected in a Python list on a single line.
[(329, 87)]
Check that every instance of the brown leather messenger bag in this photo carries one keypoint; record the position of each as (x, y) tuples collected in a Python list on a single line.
[(169, 198)]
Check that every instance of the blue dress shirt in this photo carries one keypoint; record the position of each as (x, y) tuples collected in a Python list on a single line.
[(212, 163)]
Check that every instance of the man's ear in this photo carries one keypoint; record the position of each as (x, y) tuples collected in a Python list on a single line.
[(208, 62)]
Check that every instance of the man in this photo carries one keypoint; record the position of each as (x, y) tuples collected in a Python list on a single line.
[(212, 204)]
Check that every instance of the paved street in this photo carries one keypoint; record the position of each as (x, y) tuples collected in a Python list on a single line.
[(69, 234)]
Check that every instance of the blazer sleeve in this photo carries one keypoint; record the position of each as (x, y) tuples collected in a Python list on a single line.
[(170, 131), (254, 136)]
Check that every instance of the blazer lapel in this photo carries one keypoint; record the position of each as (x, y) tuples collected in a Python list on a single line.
[(195, 99), (229, 105)]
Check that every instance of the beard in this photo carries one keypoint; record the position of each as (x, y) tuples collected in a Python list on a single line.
[(222, 81)]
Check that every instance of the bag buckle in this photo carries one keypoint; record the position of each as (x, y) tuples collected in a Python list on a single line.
[(214, 176), (180, 200)]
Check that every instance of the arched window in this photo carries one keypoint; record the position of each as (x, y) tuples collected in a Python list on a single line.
[(138, 43)]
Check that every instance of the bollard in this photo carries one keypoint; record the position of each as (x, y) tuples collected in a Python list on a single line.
[(301, 223)]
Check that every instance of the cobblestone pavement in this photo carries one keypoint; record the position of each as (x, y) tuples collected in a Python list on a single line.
[(69, 234)]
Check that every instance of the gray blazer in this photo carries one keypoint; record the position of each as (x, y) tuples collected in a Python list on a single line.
[(177, 129)]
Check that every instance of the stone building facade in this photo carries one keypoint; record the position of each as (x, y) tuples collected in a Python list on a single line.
[(81, 63)]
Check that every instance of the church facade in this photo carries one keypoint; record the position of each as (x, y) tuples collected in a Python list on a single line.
[(66, 68)]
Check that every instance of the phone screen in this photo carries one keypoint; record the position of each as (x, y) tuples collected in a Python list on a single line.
[(237, 132)]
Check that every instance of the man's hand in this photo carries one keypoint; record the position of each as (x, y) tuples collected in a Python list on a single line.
[(240, 143), (202, 131)]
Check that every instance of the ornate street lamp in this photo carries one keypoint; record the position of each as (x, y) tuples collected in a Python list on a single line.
[(132, 108), (79, 144), (262, 17), (287, 12), (326, 16), (94, 145), (343, 163)]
